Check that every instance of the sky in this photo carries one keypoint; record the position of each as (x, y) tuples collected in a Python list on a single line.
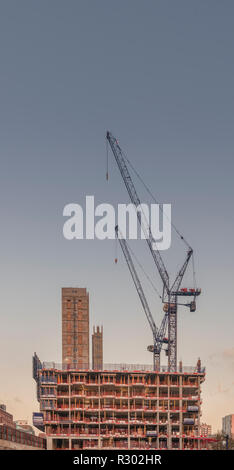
[(159, 76)]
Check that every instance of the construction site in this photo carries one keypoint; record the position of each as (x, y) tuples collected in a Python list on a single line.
[(120, 408), (123, 406)]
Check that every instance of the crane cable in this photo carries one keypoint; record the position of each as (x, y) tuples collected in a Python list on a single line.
[(143, 270), (107, 161), (194, 274), (154, 199)]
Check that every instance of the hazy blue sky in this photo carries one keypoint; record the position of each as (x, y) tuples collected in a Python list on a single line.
[(159, 75)]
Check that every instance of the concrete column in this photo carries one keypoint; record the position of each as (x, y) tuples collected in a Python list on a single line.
[(69, 404), (199, 411), (129, 438), (157, 417), (99, 412), (49, 441), (181, 412), (169, 443)]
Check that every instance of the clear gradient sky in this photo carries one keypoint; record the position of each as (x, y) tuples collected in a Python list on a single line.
[(159, 74)]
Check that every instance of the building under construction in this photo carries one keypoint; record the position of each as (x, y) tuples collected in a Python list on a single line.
[(116, 406), (123, 406), (120, 407)]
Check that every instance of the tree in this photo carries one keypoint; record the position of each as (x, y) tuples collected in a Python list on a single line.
[(222, 442)]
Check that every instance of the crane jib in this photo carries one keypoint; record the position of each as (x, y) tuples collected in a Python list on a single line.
[(136, 201)]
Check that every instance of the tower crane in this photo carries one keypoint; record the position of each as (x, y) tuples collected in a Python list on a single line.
[(170, 293)]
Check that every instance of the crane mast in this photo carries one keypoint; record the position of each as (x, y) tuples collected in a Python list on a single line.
[(171, 307)]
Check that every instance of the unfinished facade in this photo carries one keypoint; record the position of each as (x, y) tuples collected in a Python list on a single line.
[(120, 407), (75, 326)]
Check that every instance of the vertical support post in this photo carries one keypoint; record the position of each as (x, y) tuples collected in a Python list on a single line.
[(129, 438), (172, 335), (181, 411), (199, 411), (69, 405), (99, 412), (169, 440), (157, 395)]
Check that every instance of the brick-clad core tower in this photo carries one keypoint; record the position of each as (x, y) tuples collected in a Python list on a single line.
[(97, 349), (75, 327)]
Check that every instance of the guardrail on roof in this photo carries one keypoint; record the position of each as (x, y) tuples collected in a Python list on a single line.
[(120, 367)]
